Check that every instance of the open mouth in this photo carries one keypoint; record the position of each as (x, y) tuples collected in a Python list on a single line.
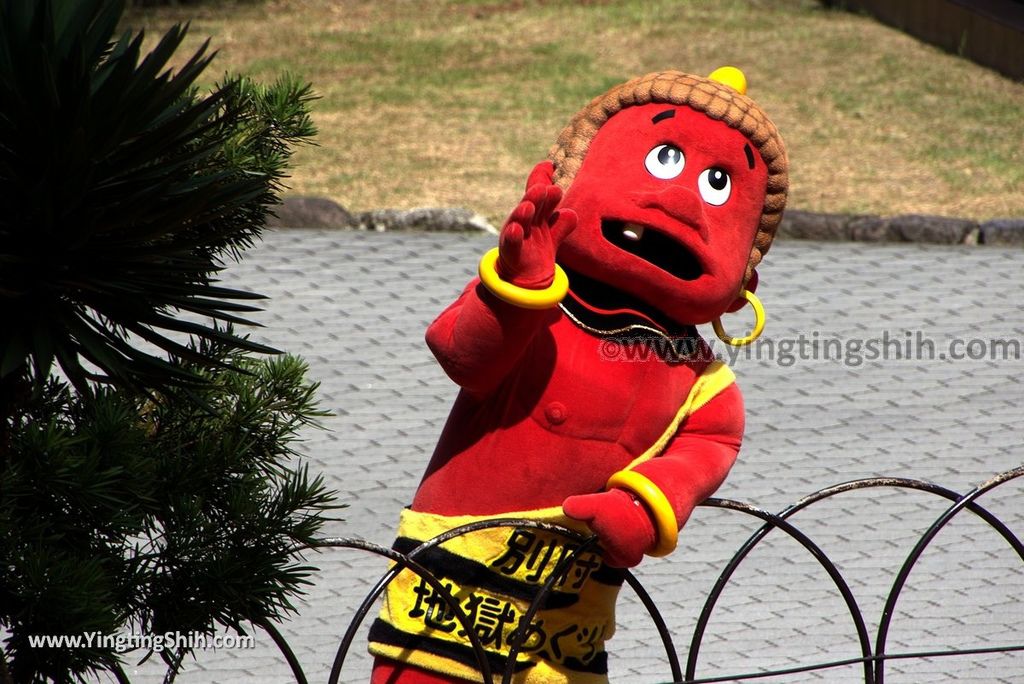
[(654, 246)]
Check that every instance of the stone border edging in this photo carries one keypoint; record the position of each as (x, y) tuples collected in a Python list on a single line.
[(921, 228), (320, 212)]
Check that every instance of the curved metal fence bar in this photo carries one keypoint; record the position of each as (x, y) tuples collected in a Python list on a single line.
[(422, 572), (872, 661), (175, 668), (659, 623), (918, 485), (854, 485), (815, 551), (289, 654), (764, 674), (361, 612), (919, 548), (119, 674), (519, 639)]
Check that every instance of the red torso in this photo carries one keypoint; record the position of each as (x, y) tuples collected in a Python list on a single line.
[(567, 416)]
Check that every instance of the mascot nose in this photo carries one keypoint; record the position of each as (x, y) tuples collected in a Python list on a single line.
[(679, 203)]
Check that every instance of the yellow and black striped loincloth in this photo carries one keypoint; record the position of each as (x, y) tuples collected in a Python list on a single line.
[(494, 575)]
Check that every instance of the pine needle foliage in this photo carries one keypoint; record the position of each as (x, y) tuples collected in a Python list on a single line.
[(122, 191), (148, 481), (120, 513)]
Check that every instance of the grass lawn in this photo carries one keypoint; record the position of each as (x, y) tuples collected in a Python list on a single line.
[(451, 102)]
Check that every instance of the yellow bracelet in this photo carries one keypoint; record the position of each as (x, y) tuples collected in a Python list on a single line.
[(664, 517), (523, 297)]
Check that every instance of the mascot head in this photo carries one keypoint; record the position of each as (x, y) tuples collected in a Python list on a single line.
[(679, 183)]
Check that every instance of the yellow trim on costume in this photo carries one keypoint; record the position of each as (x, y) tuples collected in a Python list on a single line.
[(657, 503), (523, 297), (715, 378), (709, 384)]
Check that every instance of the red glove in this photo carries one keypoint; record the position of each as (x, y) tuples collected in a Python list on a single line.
[(619, 520), (530, 237)]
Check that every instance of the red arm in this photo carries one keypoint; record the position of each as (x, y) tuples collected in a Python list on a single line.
[(691, 468), (479, 338), (697, 460)]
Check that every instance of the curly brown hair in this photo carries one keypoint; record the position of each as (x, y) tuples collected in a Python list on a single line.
[(716, 100)]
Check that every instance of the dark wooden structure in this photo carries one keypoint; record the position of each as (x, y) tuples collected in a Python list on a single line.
[(989, 32)]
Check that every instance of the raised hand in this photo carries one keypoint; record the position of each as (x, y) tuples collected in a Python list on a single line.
[(530, 238)]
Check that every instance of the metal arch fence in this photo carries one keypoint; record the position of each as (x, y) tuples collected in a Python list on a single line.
[(873, 654)]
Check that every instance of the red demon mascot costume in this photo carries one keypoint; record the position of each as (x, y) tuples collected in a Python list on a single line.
[(588, 398)]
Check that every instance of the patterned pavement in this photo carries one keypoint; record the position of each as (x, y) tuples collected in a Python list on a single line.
[(831, 397)]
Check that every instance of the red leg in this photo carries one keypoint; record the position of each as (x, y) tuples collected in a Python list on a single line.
[(391, 672)]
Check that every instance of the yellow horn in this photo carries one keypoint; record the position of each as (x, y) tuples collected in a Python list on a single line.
[(732, 77)]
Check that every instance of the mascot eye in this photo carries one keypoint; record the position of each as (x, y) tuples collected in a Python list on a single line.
[(665, 161), (715, 186)]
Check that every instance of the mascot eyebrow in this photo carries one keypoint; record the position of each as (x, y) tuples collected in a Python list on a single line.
[(667, 114), (750, 155), (670, 113)]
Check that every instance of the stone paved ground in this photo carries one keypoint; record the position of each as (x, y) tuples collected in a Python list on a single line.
[(355, 305)]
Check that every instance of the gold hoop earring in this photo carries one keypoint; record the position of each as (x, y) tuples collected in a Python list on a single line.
[(759, 319)]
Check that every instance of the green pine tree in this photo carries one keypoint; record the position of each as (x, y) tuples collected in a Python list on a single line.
[(147, 480)]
